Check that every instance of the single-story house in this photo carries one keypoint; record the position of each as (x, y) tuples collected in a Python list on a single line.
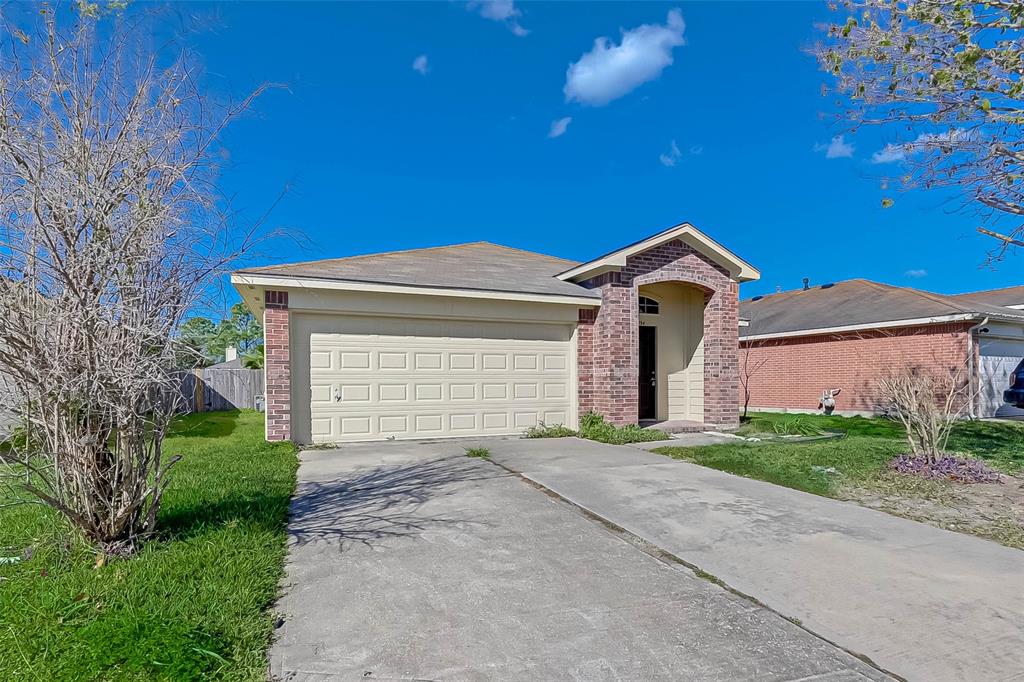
[(479, 339), (848, 335)]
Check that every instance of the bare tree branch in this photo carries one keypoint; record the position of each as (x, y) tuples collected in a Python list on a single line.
[(950, 76), (110, 231)]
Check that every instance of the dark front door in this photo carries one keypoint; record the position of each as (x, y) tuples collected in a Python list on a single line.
[(648, 374)]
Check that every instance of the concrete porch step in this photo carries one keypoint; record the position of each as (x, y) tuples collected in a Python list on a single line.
[(673, 425)]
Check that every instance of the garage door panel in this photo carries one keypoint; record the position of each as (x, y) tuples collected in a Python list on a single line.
[(392, 361), (462, 362), (393, 424), (378, 386), (555, 417), (463, 391)]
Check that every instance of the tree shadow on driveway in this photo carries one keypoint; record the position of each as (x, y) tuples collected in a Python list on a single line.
[(371, 505)]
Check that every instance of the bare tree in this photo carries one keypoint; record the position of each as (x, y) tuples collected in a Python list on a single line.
[(111, 229), (928, 402), (748, 368), (950, 75)]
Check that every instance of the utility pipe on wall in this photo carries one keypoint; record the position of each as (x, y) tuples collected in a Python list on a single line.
[(972, 368)]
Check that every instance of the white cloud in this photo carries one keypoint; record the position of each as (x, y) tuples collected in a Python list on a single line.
[(504, 11), (838, 148), (696, 150), (890, 153), (916, 273), (897, 152), (420, 64), (559, 127), (610, 71), (954, 135), (672, 156)]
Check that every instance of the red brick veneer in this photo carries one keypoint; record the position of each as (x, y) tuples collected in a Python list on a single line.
[(607, 346), (277, 366), (796, 370)]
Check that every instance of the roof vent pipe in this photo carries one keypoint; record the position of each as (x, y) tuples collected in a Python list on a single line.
[(807, 283)]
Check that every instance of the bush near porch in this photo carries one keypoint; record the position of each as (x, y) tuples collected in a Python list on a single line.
[(594, 427), (192, 604), (856, 468)]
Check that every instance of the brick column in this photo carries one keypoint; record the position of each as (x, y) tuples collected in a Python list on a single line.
[(585, 360), (616, 369), (277, 366), (722, 358)]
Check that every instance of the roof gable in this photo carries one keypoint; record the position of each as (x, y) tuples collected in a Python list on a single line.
[(1010, 297), (738, 268)]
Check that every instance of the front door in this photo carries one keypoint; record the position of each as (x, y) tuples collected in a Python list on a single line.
[(648, 399)]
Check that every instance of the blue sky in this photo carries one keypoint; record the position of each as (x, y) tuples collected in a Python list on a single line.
[(408, 125)]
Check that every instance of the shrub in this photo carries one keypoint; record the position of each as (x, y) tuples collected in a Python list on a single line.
[(543, 430), (928, 403), (797, 426), (594, 427)]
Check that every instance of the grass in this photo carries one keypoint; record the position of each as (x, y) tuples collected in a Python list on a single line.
[(810, 424), (192, 604), (479, 453), (860, 459), (594, 427)]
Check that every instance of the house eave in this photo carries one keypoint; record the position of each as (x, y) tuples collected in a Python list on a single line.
[(242, 280), (890, 324)]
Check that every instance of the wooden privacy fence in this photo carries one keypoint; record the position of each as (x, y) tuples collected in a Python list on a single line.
[(214, 390)]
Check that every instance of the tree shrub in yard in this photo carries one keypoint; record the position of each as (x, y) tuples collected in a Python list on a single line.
[(928, 403), (112, 232), (192, 604)]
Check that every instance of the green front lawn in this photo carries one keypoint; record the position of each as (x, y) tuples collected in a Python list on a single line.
[(859, 458), (192, 604)]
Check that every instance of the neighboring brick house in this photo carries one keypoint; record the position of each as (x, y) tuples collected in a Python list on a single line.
[(478, 339), (850, 334)]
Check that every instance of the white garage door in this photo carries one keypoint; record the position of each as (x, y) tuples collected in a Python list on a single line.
[(368, 386), (999, 357)]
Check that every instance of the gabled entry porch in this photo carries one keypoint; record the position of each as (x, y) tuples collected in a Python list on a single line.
[(664, 344)]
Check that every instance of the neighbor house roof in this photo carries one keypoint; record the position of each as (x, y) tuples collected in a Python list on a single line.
[(1008, 296), (685, 232), (857, 304), (480, 266)]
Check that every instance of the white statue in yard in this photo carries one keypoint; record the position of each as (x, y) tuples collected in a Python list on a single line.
[(827, 403)]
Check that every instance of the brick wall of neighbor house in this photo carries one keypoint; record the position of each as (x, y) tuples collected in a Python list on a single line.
[(277, 366), (796, 370), (609, 362)]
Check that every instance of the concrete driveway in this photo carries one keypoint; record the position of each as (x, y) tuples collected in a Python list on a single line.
[(923, 603), (414, 562)]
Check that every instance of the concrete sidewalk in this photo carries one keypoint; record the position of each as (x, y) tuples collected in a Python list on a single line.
[(411, 561), (924, 603)]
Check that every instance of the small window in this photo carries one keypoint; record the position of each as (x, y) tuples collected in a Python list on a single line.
[(648, 306)]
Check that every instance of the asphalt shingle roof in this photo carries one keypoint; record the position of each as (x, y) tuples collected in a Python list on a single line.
[(1002, 297), (479, 265), (855, 302)]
